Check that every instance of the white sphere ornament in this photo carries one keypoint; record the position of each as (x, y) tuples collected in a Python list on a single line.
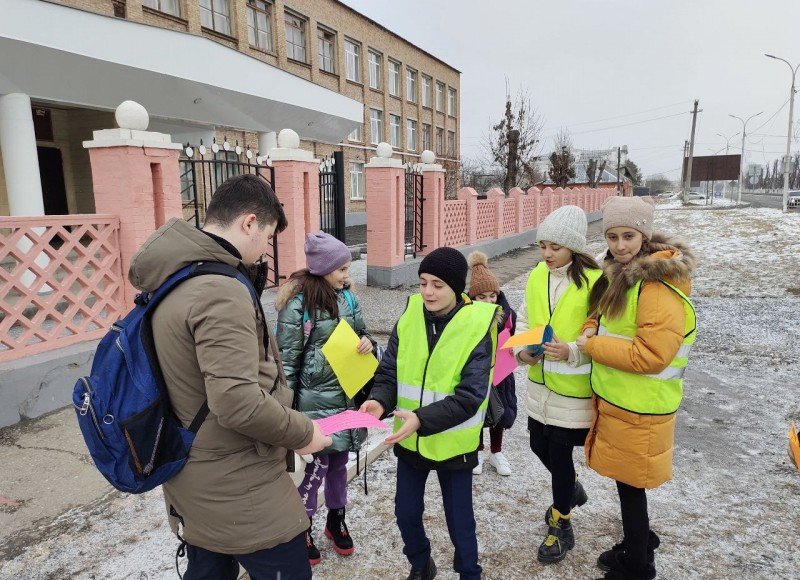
[(428, 157), (132, 115), (288, 139), (384, 150)]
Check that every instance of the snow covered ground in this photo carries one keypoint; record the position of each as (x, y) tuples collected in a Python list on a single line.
[(732, 510)]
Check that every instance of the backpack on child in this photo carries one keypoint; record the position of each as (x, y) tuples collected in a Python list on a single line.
[(123, 407)]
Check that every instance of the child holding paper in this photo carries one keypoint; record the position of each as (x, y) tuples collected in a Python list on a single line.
[(436, 373), (559, 396), (311, 305), (483, 287)]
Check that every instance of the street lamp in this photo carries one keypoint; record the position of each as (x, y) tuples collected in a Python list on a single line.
[(741, 161), (789, 135), (727, 146)]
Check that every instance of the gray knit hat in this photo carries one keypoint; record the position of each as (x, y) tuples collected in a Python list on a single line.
[(566, 226), (629, 212), (324, 253)]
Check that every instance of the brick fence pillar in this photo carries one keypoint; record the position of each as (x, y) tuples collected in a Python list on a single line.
[(471, 197), (385, 192), (519, 207)]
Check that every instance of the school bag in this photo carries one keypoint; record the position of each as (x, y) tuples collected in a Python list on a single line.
[(123, 407)]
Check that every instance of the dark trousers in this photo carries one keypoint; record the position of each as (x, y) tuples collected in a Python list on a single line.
[(409, 505), (635, 523), (556, 455), (288, 561), (495, 440)]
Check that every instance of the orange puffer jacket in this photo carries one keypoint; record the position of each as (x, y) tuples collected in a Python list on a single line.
[(625, 446)]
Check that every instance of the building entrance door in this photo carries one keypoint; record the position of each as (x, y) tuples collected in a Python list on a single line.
[(51, 173)]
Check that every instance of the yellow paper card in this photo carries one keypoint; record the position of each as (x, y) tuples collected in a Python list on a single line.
[(794, 446), (527, 338), (352, 369)]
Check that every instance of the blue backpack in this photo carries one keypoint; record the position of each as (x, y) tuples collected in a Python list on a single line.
[(123, 407)]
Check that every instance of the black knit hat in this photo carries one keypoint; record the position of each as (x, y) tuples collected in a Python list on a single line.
[(449, 265)]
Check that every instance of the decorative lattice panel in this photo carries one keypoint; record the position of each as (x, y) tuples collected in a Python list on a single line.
[(509, 216), (455, 223), (487, 219), (529, 208), (60, 281)]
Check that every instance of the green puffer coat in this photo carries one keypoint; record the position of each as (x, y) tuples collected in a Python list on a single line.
[(320, 393)]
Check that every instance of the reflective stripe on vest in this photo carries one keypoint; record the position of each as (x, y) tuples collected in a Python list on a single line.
[(645, 394), (425, 377), (566, 319)]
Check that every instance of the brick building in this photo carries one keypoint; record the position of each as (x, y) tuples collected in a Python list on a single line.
[(235, 70)]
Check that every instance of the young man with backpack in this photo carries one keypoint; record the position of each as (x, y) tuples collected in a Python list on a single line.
[(233, 501)]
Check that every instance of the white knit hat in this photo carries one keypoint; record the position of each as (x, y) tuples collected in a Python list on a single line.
[(566, 226)]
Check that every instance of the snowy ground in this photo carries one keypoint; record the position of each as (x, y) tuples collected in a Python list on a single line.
[(732, 511)]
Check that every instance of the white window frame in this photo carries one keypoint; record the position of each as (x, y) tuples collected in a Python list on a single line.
[(322, 42), (411, 85), (352, 57), (219, 11), (357, 135), (427, 91), (395, 134), (375, 67), (440, 96), (427, 137), (163, 6), (451, 144), (439, 140), (375, 126), (357, 181), (451, 101), (299, 25), (254, 32), (395, 70), (411, 135)]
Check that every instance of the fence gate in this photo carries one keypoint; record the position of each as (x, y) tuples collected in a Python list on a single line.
[(331, 196), (203, 169), (414, 199)]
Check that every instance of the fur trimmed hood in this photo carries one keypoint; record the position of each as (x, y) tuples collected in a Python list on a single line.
[(286, 293), (670, 259)]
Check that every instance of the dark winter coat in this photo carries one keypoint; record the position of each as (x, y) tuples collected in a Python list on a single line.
[(507, 389), (450, 411), (320, 394)]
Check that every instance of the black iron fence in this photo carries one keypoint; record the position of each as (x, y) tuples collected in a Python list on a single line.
[(414, 199), (331, 196)]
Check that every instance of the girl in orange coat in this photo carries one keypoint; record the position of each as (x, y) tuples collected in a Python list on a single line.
[(646, 327)]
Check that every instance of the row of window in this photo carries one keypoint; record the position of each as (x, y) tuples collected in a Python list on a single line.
[(412, 144), (215, 15)]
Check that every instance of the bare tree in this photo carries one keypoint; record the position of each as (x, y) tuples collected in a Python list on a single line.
[(562, 162), (512, 142)]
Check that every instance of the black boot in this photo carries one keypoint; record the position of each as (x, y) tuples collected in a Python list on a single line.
[(579, 497), (314, 557), (606, 559), (559, 540), (622, 569), (426, 573), (336, 530)]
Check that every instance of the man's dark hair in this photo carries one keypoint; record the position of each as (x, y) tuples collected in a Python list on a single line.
[(245, 194)]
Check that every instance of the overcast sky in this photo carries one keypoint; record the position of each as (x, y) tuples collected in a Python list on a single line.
[(592, 65)]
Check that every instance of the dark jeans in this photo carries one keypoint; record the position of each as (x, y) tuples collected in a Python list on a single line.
[(409, 505), (288, 561), (555, 453), (635, 523)]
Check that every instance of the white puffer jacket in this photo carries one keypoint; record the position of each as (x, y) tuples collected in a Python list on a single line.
[(544, 405)]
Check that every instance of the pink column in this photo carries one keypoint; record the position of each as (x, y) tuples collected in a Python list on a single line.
[(471, 197), (536, 194), (135, 175), (519, 197), (385, 192), (432, 207), (496, 194), (547, 204)]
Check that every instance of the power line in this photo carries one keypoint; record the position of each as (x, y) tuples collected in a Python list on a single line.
[(626, 124), (616, 117)]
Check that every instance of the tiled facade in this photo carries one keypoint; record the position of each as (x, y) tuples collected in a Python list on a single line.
[(291, 33)]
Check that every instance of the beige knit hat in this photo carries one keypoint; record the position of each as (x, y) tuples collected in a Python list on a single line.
[(629, 212), (565, 226), (482, 280)]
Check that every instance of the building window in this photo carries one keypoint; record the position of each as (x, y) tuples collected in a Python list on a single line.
[(427, 138), (439, 96), (394, 78), (394, 130), (119, 8), (451, 102), (356, 135), (326, 41), (356, 180), (375, 126), (259, 25), (439, 141), (427, 91), (295, 37), (411, 85), (352, 53), (411, 135), (167, 6), (451, 143), (216, 15), (375, 72)]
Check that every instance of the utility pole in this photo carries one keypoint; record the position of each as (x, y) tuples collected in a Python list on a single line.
[(687, 186), (683, 162), (788, 159), (619, 162), (741, 159)]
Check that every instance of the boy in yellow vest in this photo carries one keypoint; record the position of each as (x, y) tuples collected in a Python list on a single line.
[(435, 376)]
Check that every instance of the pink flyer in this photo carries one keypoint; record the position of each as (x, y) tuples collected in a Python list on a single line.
[(349, 420)]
